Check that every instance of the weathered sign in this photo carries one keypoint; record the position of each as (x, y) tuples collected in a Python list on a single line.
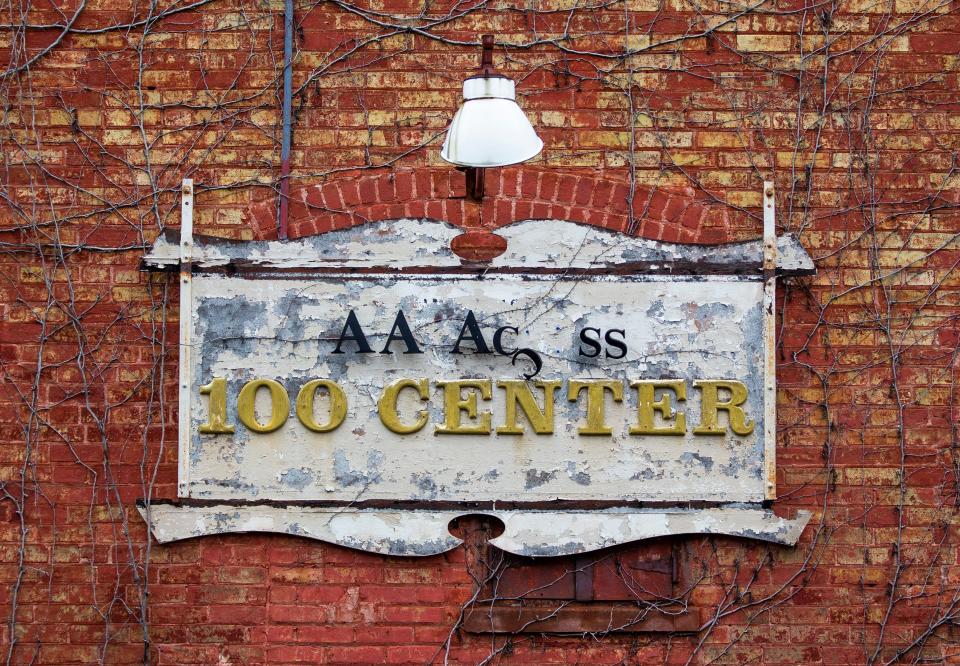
[(370, 375), (414, 388)]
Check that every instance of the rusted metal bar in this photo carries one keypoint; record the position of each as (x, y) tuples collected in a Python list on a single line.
[(464, 507), (584, 578), (678, 269)]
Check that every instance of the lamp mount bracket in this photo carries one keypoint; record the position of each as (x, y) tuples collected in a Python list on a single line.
[(486, 58)]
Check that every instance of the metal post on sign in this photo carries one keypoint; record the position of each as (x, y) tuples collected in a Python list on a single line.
[(186, 320), (770, 339)]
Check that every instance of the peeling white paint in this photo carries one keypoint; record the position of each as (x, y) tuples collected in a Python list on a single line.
[(287, 329), (545, 244), (422, 533)]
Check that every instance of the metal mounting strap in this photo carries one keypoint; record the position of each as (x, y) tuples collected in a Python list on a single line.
[(770, 339), (186, 319)]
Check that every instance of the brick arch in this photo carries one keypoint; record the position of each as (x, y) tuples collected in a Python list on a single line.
[(512, 194)]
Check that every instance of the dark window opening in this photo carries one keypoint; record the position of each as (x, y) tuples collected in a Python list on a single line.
[(638, 587)]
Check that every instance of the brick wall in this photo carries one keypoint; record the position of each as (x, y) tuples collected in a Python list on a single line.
[(659, 118)]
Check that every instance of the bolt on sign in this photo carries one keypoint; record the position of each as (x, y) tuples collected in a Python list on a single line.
[(367, 386)]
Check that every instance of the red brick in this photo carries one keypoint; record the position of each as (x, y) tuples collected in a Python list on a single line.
[(356, 655), (728, 118)]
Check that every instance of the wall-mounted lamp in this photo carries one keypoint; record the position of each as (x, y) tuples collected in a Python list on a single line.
[(489, 129)]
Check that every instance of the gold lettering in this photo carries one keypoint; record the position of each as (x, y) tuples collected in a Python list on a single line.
[(647, 405), (710, 406), (338, 405), (455, 405), (596, 403), (279, 405), (387, 406), (217, 420), (519, 393)]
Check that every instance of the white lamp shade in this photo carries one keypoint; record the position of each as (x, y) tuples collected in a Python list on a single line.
[(490, 129)]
